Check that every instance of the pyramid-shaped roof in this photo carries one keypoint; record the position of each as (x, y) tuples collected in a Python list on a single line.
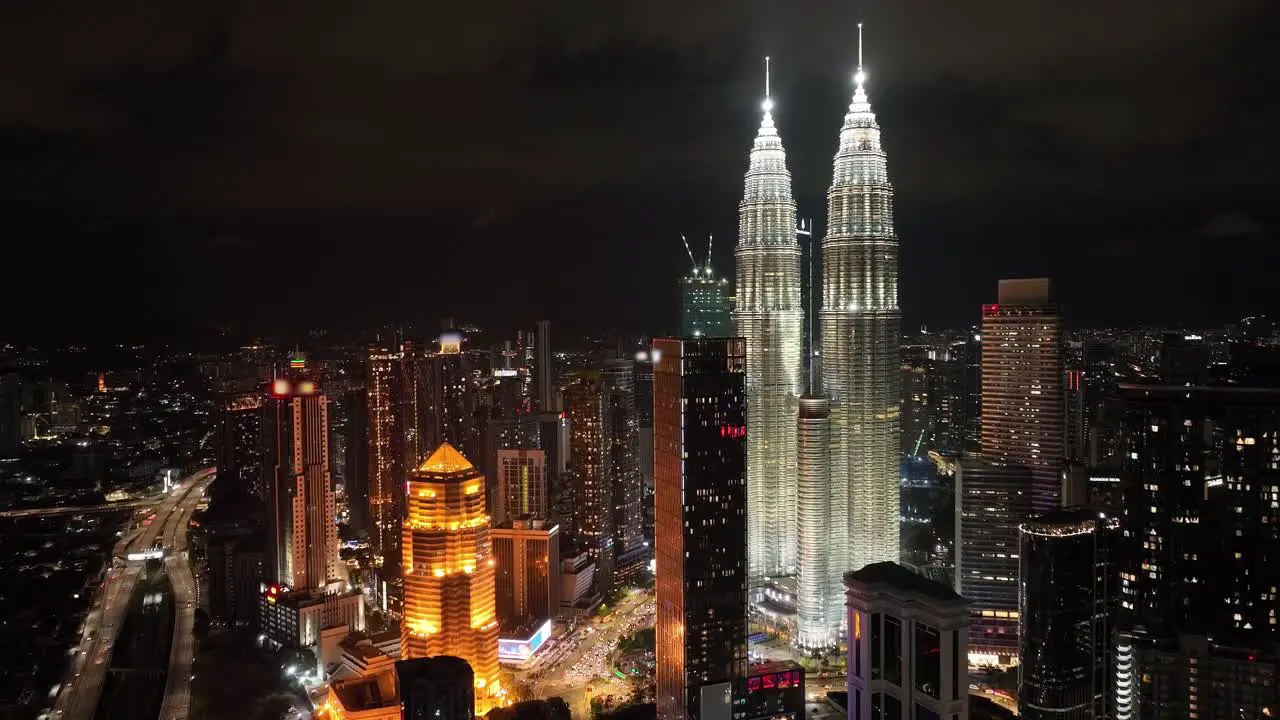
[(446, 459)]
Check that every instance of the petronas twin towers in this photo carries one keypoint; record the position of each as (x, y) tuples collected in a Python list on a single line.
[(822, 461)]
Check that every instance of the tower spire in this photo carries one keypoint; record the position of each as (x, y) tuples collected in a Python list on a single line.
[(859, 46), (767, 105), (860, 76)]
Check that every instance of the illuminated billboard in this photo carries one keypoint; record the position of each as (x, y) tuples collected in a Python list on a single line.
[(520, 650)]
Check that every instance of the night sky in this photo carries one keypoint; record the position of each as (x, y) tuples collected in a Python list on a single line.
[(166, 168)]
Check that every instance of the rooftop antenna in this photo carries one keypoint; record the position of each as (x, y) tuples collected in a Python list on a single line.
[(768, 101), (710, 237), (861, 75), (692, 262), (859, 46)]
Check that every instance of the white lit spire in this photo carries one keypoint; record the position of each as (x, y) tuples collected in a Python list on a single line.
[(767, 105), (770, 317), (859, 341)]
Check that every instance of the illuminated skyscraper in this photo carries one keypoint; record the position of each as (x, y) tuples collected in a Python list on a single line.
[(1023, 411), (240, 445), (302, 536), (622, 462), (700, 524), (704, 300), (449, 604), (522, 485), (593, 495), (820, 531), (861, 367), (769, 316), (385, 461)]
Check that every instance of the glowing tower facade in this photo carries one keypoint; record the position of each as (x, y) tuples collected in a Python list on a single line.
[(449, 596), (769, 315), (859, 323)]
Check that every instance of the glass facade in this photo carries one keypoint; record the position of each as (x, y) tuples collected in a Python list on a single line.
[(770, 317), (700, 402), (704, 305), (859, 321), (1066, 605)]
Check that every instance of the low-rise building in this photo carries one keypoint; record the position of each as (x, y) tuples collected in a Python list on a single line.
[(908, 645)]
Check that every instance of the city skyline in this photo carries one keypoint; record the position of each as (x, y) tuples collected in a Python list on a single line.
[(1032, 113)]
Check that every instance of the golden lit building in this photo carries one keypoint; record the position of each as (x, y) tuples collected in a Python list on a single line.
[(449, 604)]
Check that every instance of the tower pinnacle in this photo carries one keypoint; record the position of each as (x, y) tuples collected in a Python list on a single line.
[(860, 76), (767, 105)]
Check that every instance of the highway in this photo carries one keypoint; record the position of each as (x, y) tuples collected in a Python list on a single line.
[(78, 699), (177, 692), (80, 509)]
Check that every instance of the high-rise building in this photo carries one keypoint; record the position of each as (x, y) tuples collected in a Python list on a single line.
[(704, 302), (821, 528), (859, 321), (991, 500), (1197, 629), (385, 448), (769, 314), (700, 449), (644, 414), (526, 551), (452, 380), (1023, 412), (907, 645), (301, 545), (522, 485), (918, 404), (449, 604), (10, 415), (622, 464), (1068, 602), (240, 445), (593, 493), (545, 369), (436, 688)]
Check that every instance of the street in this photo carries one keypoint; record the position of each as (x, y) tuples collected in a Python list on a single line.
[(78, 699), (580, 662)]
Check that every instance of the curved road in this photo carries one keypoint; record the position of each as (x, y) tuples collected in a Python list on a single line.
[(78, 699)]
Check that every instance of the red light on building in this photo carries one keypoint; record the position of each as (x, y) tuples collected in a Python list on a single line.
[(733, 431), (990, 309)]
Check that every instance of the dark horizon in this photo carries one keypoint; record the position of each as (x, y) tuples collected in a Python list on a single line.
[(176, 170)]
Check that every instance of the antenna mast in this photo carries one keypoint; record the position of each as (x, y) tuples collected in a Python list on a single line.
[(710, 237), (859, 46)]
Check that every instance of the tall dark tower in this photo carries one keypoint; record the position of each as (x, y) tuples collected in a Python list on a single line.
[(622, 462), (545, 368), (1197, 632), (1068, 602), (240, 444), (700, 462)]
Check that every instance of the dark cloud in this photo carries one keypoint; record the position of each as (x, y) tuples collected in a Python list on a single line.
[(1018, 133)]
